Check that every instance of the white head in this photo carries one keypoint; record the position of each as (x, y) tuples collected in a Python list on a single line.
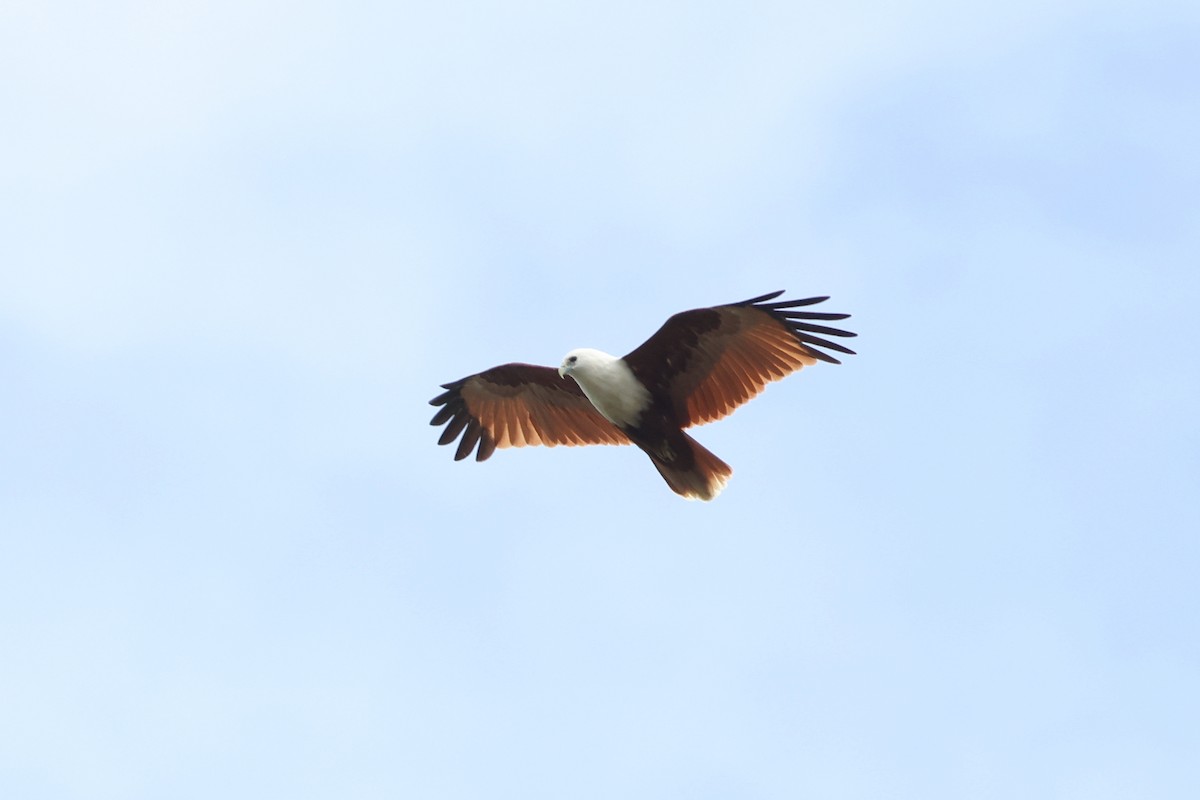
[(582, 361)]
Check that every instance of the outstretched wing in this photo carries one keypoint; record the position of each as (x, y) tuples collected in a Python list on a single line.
[(709, 361), (514, 405)]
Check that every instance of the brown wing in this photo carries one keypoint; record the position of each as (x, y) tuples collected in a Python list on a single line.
[(514, 405), (711, 360)]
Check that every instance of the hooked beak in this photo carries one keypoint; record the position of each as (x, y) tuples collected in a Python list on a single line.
[(562, 371)]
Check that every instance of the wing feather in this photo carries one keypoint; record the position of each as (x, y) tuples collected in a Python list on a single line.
[(520, 419), (706, 399), (743, 375), (501, 424), (453, 429), (487, 446), (515, 405), (473, 432), (709, 361)]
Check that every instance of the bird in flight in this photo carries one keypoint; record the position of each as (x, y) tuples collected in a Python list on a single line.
[(698, 367)]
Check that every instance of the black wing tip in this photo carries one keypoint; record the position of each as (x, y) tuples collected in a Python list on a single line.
[(762, 301), (762, 298), (452, 390), (799, 323), (808, 327), (804, 301), (459, 421), (813, 315), (826, 357)]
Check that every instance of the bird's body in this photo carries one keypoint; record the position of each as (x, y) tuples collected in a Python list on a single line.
[(611, 386), (698, 367)]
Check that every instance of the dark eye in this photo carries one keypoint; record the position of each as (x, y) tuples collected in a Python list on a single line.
[(572, 359)]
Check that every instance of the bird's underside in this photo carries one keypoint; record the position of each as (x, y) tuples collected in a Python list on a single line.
[(698, 367)]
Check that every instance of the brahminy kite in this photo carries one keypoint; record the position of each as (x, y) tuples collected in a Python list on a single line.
[(698, 367)]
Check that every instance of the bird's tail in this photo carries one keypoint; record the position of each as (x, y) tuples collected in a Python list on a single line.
[(697, 474)]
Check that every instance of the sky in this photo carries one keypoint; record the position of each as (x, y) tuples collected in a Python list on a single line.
[(242, 243)]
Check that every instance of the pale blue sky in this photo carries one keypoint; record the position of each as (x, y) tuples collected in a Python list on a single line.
[(241, 243)]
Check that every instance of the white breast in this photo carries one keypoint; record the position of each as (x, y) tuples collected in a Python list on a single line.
[(611, 386)]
